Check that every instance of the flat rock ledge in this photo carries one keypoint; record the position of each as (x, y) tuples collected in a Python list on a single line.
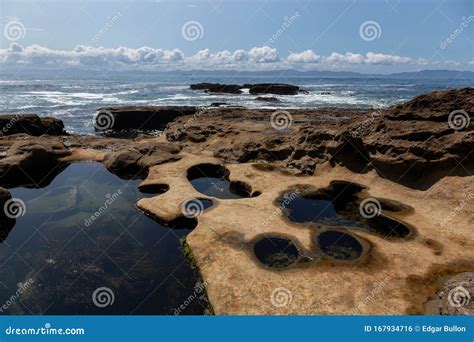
[(394, 277)]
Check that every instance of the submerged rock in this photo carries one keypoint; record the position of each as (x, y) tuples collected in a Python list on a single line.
[(55, 201), (267, 99)]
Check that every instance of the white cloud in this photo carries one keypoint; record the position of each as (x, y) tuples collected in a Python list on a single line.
[(348, 58), (257, 58), (87, 55), (380, 58), (369, 58), (264, 54), (307, 56)]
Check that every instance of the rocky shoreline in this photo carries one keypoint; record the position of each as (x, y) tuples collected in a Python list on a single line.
[(417, 153)]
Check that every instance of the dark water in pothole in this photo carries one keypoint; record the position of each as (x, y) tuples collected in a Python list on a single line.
[(216, 187), (61, 255), (342, 211), (198, 204), (339, 245), (302, 210), (276, 252)]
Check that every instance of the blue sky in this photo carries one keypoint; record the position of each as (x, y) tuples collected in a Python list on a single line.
[(409, 35)]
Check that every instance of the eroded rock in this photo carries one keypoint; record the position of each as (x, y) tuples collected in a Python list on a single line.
[(139, 117), (30, 124), (32, 162)]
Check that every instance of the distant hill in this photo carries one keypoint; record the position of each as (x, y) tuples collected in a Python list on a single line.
[(434, 74), (81, 73)]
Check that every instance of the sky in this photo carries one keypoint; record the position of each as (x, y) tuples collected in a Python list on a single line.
[(354, 35)]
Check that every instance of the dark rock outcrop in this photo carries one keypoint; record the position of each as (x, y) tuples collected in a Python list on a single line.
[(259, 88), (139, 117), (32, 162), (217, 88), (274, 88), (30, 124)]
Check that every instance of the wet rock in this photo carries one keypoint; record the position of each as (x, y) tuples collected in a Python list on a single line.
[(217, 88), (4, 197), (274, 88), (139, 117), (270, 99), (6, 223), (54, 201), (218, 104), (30, 124)]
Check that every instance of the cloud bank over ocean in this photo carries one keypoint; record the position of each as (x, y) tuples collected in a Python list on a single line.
[(256, 58)]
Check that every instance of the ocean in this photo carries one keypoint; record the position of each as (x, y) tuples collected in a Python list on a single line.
[(75, 99)]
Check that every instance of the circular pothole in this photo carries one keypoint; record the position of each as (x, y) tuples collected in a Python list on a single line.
[(213, 180), (321, 206), (388, 227), (153, 189), (339, 245), (276, 252), (194, 207)]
